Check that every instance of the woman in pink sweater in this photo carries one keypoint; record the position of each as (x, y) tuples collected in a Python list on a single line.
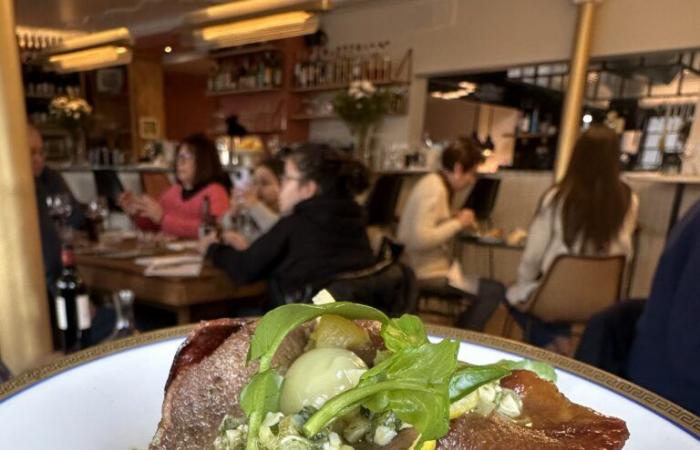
[(178, 212)]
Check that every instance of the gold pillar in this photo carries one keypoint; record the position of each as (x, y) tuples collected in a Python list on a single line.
[(25, 335), (571, 113)]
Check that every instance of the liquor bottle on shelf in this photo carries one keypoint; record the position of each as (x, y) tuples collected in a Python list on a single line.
[(277, 70), (72, 305)]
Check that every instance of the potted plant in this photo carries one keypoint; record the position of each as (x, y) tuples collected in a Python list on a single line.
[(362, 108)]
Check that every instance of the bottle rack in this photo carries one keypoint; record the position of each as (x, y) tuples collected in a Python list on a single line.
[(247, 71), (323, 70)]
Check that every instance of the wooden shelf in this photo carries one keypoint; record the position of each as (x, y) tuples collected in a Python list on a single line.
[(301, 117), (245, 51), (280, 131), (242, 91), (45, 97), (343, 86), (529, 135), (52, 130)]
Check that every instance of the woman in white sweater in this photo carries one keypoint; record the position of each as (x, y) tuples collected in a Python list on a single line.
[(590, 212), (427, 229)]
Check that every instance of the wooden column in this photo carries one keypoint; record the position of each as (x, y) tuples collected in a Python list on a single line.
[(25, 330), (571, 114), (146, 96)]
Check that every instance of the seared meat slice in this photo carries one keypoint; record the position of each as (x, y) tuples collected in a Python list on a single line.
[(557, 423), (206, 377)]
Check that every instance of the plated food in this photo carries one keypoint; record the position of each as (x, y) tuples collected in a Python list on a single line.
[(344, 376)]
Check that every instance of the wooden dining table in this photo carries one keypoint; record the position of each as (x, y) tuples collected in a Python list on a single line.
[(185, 296)]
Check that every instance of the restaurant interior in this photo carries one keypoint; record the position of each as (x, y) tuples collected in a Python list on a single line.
[(520, 176)]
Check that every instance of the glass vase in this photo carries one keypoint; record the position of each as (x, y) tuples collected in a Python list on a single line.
[(79, 146), (363, 145)]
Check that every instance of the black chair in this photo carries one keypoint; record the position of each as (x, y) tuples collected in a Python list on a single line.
[(389, 286), (382, 200), (483, 196), (108, 186)]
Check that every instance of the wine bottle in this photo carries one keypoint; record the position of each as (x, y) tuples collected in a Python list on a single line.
[(72, 305), (209, 223)]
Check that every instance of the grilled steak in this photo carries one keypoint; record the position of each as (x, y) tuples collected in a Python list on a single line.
[(209, 371)]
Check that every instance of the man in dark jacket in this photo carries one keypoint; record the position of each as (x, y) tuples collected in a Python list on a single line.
[(665, 355), (49, 181)]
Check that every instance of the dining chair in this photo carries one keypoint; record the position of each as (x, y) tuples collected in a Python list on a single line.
[(383, 199), (573, 290)]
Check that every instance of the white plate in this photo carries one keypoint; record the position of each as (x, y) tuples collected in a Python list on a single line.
[(109, 398)]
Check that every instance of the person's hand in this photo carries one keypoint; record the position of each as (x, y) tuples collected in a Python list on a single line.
[(150, 208), (466, 218), (206, 241), (236, 240), (128, 202)]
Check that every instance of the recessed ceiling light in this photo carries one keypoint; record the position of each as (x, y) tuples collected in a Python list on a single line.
[(168, 49)]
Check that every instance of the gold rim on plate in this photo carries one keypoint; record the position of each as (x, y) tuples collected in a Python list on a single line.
[(665, 408)]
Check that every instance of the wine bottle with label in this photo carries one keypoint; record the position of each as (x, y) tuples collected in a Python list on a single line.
[(72, 305), (208, 222)]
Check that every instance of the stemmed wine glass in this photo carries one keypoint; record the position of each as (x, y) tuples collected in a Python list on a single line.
[(98, 215), (60, 209)]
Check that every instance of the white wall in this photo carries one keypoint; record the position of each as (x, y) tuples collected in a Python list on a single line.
[(450, 36)]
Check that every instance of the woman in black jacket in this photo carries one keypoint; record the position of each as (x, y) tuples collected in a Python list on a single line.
[(321, 234)]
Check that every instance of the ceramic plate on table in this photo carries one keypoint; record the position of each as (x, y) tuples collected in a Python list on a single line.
[(109, 397)]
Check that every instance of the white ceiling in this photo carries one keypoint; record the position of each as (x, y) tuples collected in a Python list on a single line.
[(142, 16)]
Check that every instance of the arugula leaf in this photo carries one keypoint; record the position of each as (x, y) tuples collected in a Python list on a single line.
[(430, 363), (275, 325), (413, 383), (542, 369), (469, 378), (406, 331), (260, 396)]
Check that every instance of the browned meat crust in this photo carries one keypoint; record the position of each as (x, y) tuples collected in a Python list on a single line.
[(557, 423), (205, 382)]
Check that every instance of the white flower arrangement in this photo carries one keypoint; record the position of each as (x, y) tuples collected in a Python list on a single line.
[(362, 105), (72, 111), (361, 89)]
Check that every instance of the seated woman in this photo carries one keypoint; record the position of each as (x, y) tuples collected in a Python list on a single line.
[(590, 212), (321, 232), (178, 212), (259, 203)]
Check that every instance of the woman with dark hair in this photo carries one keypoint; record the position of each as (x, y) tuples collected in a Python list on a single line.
[(259, 202), (590, 212), (178, 212), (321, 232)]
